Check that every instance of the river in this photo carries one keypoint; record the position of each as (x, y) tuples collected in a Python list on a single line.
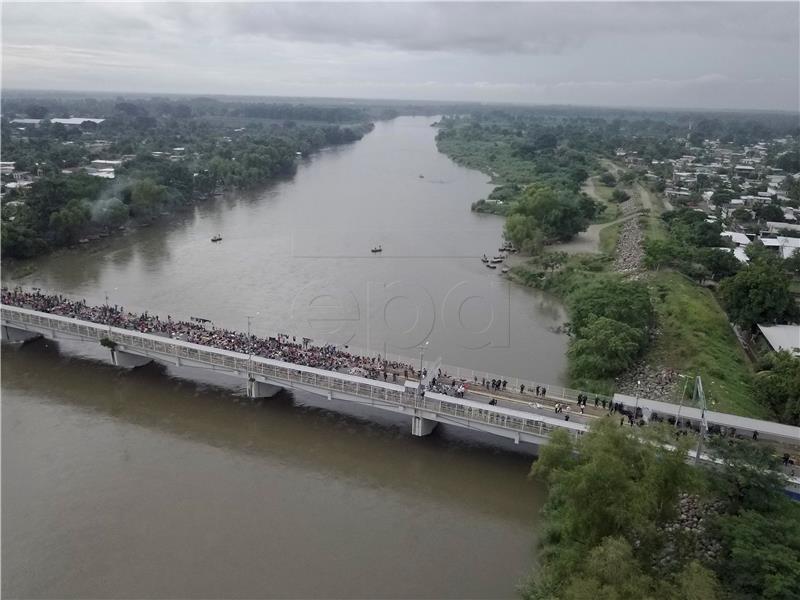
[(158, 482)]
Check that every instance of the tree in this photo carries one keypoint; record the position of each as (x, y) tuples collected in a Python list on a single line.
[(762, 558), (111, 212), (758, 293), (661, 253), (623, 301), (553, 260), (743, 215), (777, 385), (759, 529), (769, 212), (519, 229), (20, 241), (147, 198), (620, 196), (557, 214), (792, 264), (606, 347), (720, 263), (68, 223), (608, 179), (589, 207), (36, 111)]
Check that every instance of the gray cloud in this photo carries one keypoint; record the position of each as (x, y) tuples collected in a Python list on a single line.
[(700, 54)]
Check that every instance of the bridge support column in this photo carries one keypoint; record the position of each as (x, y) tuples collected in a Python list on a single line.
[(420, 426), (12, 334), (259, 389), (128, 360)]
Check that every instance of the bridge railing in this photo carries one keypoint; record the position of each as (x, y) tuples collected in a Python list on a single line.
[(279, 371)]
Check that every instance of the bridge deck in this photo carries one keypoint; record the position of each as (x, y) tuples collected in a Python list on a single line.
[(515, 415)]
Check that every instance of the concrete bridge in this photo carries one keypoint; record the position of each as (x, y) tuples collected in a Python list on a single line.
[(132, 349), (522, 422)]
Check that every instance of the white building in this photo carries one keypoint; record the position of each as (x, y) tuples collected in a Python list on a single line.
[(737, 238), (77, 120), (782, 337)]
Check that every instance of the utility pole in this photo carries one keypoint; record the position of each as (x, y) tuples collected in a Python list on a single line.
[(700, 395), (421, 354), (250, 350), (108, 312), (683, 395)]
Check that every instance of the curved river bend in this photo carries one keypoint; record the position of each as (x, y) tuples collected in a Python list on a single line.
[(160, 483)]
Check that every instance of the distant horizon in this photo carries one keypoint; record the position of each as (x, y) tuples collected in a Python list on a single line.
[(718, 56), (365, 99)]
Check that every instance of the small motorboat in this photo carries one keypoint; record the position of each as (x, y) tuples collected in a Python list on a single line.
[(377, 248), (505, 270), (500, 257), (422, 176), (491, 266), (484, 259), (496, 260), (216, 238)]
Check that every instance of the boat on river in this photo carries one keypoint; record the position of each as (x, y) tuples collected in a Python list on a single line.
[(491, 266), (484, 259), (377, 249), (505, 270), (496, 260), (216, 238)]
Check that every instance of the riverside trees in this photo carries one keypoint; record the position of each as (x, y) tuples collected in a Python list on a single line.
[(617, 513), (543, 214), (222, 145)]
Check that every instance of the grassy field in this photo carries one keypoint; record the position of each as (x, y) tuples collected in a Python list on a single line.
[(696, 339), (608, 238)]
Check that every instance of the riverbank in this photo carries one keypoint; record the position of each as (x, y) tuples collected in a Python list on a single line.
[(691, 335)]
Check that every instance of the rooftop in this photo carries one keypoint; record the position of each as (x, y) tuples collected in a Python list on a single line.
[(782, 337)]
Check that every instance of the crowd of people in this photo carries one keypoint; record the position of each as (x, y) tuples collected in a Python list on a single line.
[(281, 347)]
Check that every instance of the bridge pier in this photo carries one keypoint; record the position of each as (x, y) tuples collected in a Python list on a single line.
[(12, 334), (121, 358), (420, 426), (259, 389)]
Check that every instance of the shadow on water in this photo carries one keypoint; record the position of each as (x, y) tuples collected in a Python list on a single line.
[(367, 446)]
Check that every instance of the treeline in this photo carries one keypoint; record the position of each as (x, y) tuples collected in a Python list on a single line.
[(185, 107), (540, 168), (628, 518), (171, 163)]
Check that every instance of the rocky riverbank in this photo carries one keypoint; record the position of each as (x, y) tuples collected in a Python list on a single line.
[(648, 381), (629, 252)]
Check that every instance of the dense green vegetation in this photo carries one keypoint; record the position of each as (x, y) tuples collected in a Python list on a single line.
[(542, 214), (175, 154), (540, 169), (695, 338), (627, 518)]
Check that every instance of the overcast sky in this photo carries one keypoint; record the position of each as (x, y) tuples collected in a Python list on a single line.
[(710, 55)]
